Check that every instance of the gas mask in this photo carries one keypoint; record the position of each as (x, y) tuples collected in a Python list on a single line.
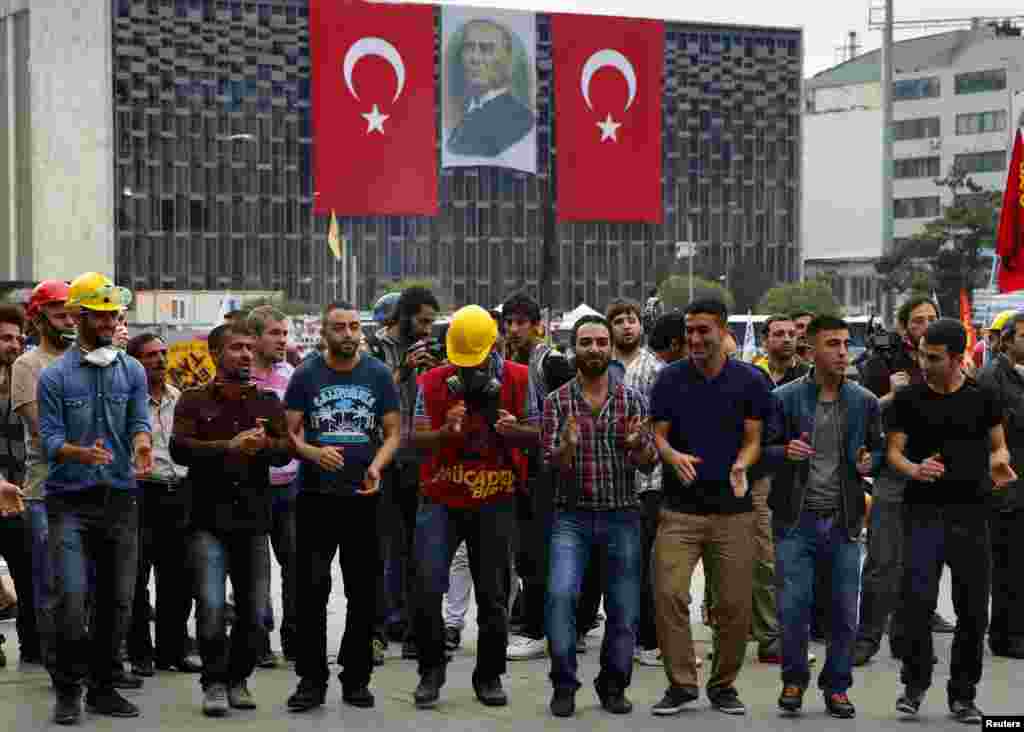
[(102, 356), (480, 389), (54, 334)]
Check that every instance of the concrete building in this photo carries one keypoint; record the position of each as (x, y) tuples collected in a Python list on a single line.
[(956, 101), (170, 141)]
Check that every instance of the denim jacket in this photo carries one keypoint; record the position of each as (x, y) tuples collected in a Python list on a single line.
[(80, 403), (862, 427)]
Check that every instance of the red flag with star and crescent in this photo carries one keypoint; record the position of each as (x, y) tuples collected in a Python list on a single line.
[(1010, 238), (374, 108), (608, 87)]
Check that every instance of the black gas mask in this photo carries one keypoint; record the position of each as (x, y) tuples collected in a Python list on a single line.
[(479, 388)]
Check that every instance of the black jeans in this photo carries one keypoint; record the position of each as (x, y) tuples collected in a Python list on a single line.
[(399, 504), (16, 549), (957, 536), (487, 532), (1007, 578), (345, 525), (211, 554), (534, 534), (647, 636), (283, 542), (161, 548), (91, 530)]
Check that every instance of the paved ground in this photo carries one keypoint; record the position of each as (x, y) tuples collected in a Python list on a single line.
[(171, 701)]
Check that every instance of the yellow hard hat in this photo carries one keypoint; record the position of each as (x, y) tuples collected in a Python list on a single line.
[(1000, 320), (94, 291), (471, 336)]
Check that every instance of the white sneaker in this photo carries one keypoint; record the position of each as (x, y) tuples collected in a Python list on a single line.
[(811, 658), (521, 648), (645, 657)]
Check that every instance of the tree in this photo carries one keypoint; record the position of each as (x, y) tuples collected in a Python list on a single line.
[(288, 307), (814, 296), (675, 292), (947, 250), (432, 285)]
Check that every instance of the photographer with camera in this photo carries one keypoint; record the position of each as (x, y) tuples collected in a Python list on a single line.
[(468, 415), (409, 353), (892, 365)]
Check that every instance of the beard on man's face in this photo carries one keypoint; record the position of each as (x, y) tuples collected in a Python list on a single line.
[(592, 366), (342, 347)]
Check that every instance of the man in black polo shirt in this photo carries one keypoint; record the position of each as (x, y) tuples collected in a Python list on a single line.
[(944, 436), (708, 414)]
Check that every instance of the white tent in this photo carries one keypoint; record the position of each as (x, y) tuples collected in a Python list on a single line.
[(570, 318)]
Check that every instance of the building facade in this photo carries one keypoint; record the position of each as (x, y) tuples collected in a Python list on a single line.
[(213, 188), (956, 101)]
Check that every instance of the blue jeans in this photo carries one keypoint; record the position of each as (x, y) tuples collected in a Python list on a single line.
[(798, 551), (248, 555), (95, 528), (42, 578), (612, 538)]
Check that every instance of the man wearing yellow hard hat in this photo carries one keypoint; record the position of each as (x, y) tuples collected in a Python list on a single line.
[(95, 434), (468, 413), (986, 350)]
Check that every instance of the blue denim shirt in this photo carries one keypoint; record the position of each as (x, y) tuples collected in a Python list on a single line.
[(80, 403)]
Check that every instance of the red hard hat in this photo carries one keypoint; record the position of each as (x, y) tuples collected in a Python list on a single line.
[(46, 291)]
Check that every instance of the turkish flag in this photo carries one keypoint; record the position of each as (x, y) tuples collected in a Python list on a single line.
[(608, 86), (1010, 239), (374, 108)]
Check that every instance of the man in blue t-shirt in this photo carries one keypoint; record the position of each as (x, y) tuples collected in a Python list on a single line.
[(708, 414), (344, 419)]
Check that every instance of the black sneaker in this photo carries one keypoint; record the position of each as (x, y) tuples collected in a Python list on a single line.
[(428, 692), (910, 702), (308, 695), (839, 706), (361, 697), (125, 680), (863, 653), (409, 650), (965, 712), (791, 699), (676, 697), (68, 709), (563, 703), (110, 704), (490, 693), (615, 702), (726, 700), (452, 639)]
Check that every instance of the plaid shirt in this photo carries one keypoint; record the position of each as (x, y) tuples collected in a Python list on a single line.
[(641, 375), (603, 473)]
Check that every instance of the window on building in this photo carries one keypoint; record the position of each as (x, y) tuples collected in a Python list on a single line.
[(916, 129), (923, 88), (977, 122), (917, 167), (916, 208), (982, 162), (980, 81)]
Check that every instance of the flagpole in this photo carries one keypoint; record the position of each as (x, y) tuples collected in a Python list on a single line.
[(335, 297)]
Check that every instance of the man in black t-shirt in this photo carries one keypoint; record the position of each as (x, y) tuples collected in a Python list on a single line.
[(944, 436)]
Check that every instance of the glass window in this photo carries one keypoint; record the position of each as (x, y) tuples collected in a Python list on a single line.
[(923, 88), (983, 162), (980, 81), (916, 129), (916, 208), (916, 167), (978, 122)]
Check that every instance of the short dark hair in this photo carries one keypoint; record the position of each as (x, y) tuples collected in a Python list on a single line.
[(259, 316), (777, 318), (667, 328), (219, 335), (825, 322), (801, 314), (137, 343), (12, 314), (903, 314), (589, 320), (949, 333), (409, 303), (521, 304), (709, 306), (335, 305), (620, 306)]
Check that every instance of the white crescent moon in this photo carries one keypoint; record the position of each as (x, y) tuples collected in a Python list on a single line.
[(608, 57), (370, 46)]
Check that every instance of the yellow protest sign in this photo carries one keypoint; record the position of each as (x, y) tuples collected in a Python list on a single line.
[(189, 364)]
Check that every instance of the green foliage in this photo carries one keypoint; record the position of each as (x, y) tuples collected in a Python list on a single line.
[(675, 292), (815, 296), (288, 307)]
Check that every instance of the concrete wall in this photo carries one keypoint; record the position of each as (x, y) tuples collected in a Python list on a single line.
[(72, 138), (842, 166), (15, 141)]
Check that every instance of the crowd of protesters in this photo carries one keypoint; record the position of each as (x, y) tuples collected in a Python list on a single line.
[(551, 483)]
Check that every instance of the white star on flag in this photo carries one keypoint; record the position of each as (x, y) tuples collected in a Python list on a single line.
[(374, 120), (608, 128)]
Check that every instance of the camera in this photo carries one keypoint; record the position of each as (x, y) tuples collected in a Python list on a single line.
[(433, 346), (879, 340)]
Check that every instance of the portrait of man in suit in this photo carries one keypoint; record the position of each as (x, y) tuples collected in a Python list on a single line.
[(489, 100)]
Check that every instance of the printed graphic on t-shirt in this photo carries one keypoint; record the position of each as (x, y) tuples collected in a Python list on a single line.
[(344, 415)]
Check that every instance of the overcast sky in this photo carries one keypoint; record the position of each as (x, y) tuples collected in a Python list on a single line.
[(825, 22)]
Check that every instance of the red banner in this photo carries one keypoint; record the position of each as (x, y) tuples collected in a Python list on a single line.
[(1010, 239), (608, 86), (374, 108)]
